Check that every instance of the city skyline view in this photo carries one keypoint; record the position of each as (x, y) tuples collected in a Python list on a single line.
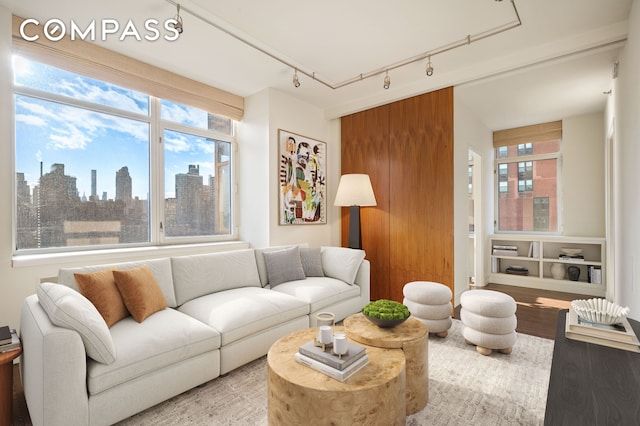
[(85, 140), (88, 157)]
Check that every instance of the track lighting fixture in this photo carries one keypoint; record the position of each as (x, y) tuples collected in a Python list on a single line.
[(387, 81), (296, 81), (429, 68), (178, 24), (466, 41)]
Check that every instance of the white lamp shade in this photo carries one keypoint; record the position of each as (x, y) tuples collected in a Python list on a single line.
[(355, 190)]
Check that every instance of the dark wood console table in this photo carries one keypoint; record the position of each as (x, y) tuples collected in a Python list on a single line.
[(592, 384)]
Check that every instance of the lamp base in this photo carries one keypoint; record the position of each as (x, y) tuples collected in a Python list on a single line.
[(355, 237)]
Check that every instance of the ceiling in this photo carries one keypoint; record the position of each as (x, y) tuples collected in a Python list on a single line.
[(556, 64)]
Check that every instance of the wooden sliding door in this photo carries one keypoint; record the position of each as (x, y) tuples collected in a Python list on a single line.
[(407, 149)]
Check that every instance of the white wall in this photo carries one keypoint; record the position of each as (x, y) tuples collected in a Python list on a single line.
[(583, 195), (265, 113), (624, 111), (470, 133)]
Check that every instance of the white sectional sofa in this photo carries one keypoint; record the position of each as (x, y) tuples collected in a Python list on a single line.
[(222, 310)]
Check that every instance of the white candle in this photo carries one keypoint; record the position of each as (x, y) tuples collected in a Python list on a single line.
[(324, 334), (339, 343)]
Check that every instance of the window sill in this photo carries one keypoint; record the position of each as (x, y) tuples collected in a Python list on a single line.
[(122, 254)]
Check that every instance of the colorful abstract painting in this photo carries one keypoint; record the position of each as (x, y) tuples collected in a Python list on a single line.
[(302, 179)]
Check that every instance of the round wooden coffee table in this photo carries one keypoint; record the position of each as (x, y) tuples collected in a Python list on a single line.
[(299, 395), (413, 338), (6, 386)]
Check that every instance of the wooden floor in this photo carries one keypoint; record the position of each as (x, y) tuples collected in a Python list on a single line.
[(537, 310), (537, 314)]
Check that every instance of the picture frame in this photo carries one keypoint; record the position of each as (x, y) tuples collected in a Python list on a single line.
[(302, 171)]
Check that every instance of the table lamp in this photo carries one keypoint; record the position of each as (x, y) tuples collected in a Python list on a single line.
[(354, 190)]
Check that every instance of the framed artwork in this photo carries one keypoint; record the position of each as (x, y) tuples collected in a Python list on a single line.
[(302, 167)]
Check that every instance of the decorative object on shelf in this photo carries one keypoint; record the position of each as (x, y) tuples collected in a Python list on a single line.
[(571, 251), (386, 313), (573, 272), (354, 191), (558, 271), (301, 179), (599, 311)]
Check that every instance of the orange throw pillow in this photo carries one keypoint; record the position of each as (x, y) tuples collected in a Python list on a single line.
[(100, 288), (140, 291)]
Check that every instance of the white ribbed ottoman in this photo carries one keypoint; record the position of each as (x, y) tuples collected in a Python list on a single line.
[(430, 303), (489, 319)]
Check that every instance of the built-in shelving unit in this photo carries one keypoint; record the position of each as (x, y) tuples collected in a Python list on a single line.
[(537, 254)]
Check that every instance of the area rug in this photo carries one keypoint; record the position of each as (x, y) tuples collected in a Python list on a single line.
[(465, 388)]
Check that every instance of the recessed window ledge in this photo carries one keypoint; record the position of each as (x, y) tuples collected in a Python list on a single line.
[(89, 257)]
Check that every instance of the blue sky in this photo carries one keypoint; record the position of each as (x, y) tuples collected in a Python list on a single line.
[(85, 140)]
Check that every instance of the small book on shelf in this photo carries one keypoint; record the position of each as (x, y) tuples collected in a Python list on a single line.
[(5, 335), (354, 352), (13, 344), (340, 375), (588, 337)]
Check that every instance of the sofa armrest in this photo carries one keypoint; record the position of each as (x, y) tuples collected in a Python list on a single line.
[(53, 369), (363, 279)]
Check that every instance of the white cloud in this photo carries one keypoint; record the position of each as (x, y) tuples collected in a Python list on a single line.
[(176, 142), (31, 120)]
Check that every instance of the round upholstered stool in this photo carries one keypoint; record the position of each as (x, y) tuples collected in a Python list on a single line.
[(430, 303), (489, 319)]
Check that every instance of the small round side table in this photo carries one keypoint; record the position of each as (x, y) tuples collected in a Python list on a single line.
[(6, 386), (413, 338)]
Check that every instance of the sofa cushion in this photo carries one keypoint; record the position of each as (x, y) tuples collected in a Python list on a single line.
[(241, 312), (341, 263), (162, 340), (161, 270), (100, 288), (140, 291), (311, 259), (69, 309), (283, 265), (262, 267), (319, 292), (198, 275)]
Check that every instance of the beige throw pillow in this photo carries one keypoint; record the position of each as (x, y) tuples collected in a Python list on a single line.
[(140, 291)]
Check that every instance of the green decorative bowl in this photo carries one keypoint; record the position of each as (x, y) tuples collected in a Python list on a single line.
[(386, 323)]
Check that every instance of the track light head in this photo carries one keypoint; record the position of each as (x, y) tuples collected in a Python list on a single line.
[(296, 81), (387, 81), (429, 68), (177, 25)]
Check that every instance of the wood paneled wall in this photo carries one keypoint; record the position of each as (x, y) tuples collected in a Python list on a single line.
[(407, 149)]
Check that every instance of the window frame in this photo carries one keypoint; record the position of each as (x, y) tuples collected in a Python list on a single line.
[(156, 200)]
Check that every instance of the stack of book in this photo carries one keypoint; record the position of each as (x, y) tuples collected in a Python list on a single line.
[(619, 336), (9, 340), (505, 250), (572, 257), (517, 270), (339, 368)]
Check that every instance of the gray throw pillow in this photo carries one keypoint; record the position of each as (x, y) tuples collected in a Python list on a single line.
[(283, 266), (311, 262)]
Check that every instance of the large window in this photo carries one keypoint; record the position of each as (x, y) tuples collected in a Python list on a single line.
[(101, 165), (527, 181)]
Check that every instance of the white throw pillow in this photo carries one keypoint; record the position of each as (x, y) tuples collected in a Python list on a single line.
[(341, 263), (69, 309)]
